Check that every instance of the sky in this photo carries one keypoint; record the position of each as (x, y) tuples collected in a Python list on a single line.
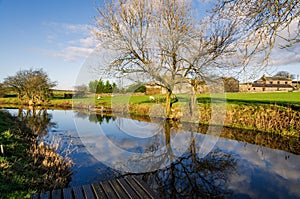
[(56, 35), (52, 34)]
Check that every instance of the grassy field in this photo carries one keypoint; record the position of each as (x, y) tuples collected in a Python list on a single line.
[(279, 98)]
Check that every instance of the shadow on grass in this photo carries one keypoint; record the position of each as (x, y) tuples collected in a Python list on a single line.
[(207, 100)]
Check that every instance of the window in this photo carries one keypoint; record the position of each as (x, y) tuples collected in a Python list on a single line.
[(271, 82), (285, 82), (278, 82)]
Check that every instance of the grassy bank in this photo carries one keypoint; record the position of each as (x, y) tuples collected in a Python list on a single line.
[(269, 112), (25, 167), (278, 98)]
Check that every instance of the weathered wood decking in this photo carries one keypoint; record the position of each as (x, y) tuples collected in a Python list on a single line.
[(128, 187)]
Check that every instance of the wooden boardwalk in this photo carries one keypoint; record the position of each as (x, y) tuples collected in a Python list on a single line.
[(128, 187)]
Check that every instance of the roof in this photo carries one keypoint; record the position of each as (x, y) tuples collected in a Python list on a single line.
[(276, 78), (272, 85)]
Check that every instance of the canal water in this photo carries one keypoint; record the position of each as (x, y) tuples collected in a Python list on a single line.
[(176, 160)]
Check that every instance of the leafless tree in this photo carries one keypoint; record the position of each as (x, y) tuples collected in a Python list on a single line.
[(263, 24), (160, 41), (32, 86)]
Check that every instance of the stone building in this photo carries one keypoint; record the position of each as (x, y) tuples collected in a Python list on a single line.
[(275, 83), (230, 85)]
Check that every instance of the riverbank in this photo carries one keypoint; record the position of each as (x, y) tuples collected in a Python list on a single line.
[(25, 166), (266, 112)]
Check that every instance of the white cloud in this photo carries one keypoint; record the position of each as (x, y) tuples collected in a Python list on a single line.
[(77, 28), (71, 53), (51, 38), (289, 55), (72, 41), (68, 28), (88, 41), (285, 56)]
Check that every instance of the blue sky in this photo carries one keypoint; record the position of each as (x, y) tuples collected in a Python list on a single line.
[(56, 35), (51, 34)]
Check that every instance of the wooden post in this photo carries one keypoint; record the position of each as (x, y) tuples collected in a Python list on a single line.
[(2, 150)]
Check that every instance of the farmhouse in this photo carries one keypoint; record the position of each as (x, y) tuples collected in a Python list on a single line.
[(152, 88), (230, 85), (275, 83)]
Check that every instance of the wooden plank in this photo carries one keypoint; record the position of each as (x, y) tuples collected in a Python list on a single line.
[(56, 194), (124, 188), (87, 190), (114, 190), (137, 188), (45, 195), (78, 194), (35, 196), (119, 189), (99, 193), (145, 187), (110, 193), (67, 192), (128, 188)]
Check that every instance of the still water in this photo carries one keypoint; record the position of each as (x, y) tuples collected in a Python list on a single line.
[(174, 159)]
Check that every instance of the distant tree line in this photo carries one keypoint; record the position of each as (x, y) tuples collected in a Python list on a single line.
[(98, 86)]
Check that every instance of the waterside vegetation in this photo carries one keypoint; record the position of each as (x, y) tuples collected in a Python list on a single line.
[(27, 167), (267, 112)]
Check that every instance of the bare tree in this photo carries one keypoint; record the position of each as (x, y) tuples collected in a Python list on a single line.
[(285, 74), (81, 90), (262, 23), (31, 85), (160, 41)]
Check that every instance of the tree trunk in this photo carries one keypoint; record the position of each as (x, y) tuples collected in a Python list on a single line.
[(168, 103), (193, 101)]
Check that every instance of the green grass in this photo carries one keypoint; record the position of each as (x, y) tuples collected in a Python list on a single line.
[(13, 177), (22, 168), (279, 98), (282, 98), (10, 100)]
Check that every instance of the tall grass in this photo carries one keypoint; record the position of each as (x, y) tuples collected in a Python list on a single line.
[(268, 118), (26, 167)]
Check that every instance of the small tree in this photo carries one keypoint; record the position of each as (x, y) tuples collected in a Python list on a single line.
[(2, 90), (93, 86), (32, 86), (81, 90), (107, 87), (100, 86), (114, 87), (285, 74)]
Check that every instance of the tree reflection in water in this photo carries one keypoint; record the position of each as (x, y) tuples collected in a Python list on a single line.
[(100, 118), (188, 176), (37, 119), (192, 176)]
